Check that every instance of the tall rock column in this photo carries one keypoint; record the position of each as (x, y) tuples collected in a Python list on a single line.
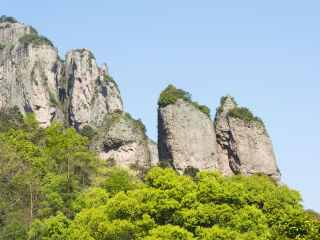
[(92, 92), (244, 144), (186, 135), (27, 72)]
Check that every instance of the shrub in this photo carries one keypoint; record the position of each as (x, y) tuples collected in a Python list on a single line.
[(118, 180), (191, 172), (165, 163), (244, 114), (1, 46), (4, 18), (171, 94), (34, 39), (87, 131), (128, 115)]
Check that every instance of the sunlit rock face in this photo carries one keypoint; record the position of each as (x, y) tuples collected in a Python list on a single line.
[(244, 146), (186, 137), (32, 76)]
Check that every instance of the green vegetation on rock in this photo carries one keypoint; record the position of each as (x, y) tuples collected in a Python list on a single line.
[(244, 114), (222, 101), (171, 94), (238, 112), (35, 39), (87, 131)]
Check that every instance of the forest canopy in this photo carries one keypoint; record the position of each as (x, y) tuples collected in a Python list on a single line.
[(53, 187)]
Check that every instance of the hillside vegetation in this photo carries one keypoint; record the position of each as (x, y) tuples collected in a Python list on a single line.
[(53, 187)]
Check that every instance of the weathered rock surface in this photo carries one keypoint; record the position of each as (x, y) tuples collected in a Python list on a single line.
[(187, 137), (121, 139), (154, 155), (92, 91), (26, 76), (244, 147), (33, 78)]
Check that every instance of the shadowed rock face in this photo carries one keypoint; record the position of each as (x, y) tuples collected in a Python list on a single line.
[(33, 78), (120, 139), (186, 136), (154, 155), (244, 147)]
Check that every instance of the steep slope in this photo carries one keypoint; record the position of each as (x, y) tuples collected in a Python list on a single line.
[(26, 76), (185, 134), (32, 76), (244, 144), (91, 90)]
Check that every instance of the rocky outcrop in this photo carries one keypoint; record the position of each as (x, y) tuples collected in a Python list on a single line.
[(26, 76), (122, 140), (186, 137), (244, 146), (32, 76), (92, 92)]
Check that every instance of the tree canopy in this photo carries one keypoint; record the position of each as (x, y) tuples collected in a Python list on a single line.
[(53, 187)]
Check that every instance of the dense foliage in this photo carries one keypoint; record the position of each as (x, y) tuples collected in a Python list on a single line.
[(53, 187), (244, 114), (35, 39), (171, 94), (169, 206)]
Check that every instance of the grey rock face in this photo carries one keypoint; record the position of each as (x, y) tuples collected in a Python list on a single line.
[(33, 78), (244, 147), (154, 155), (92, 91), (186, 136), (121, 139), (27, 79)]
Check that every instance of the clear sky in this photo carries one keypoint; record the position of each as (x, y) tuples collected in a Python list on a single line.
[(264, 53)]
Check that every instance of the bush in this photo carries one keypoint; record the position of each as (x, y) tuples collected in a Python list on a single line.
[(171, 94), (87, 131), (4, 18), (244, 114), (118, 180), (34, 39), (1, 46), (191, 172)]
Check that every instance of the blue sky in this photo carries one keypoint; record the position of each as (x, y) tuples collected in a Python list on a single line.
[(264, 53)]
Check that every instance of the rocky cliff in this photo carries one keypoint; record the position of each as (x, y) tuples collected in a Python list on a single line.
[(35, 79), (78, 93), (236, 143), (122, 140), (75, 91), (186, 136), (244, 143)]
